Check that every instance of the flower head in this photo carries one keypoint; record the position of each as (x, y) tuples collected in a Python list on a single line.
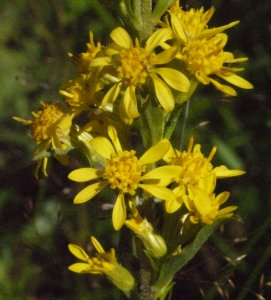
[(134, 64), (102, 263), (195, 168), (81, 92), (49, 129), (205, 58), (83, 62), (124, 172), (204, 205), (192, 24)]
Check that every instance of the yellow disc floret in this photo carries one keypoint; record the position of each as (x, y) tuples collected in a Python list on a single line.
[(124, 172), (134, 64), (44, 124)]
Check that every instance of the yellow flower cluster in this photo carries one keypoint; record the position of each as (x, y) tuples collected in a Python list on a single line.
[(116, 84), (202, 49)]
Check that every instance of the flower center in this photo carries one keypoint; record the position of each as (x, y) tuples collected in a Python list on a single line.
[(124, 172), (44, 124), (134, 65), (205, 56)]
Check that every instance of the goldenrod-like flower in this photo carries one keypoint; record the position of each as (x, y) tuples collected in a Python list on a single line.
[(204, 205), (192, 24), (83, 62), (134, 64), (125, 172), (50, 130), (195, 167), (81, 92), (153, 242), (102, 263), (205, 58)]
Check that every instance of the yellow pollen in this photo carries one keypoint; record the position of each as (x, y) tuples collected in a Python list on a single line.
[(134, 65), (45, 120), (124, 172)]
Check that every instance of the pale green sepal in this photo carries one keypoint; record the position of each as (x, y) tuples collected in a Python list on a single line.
[(172, 121), (174, 263), (161, 7)]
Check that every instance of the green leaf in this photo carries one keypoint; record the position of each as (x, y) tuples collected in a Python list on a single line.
[(52, 152), (161, 7), (174, 263), (151, 124), (172, 122)]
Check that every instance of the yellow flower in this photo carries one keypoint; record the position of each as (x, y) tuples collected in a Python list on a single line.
[(50, 130), (205, 58), (204, 205), (125, 172), (102, 263), (81, 92), (133, 64), (153, 242), (192, 24), (83, 62), (195, 167)]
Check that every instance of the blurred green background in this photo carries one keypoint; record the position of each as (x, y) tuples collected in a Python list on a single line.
[(37, 217)]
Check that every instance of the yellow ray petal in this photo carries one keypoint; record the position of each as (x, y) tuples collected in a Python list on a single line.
[(163, 172), (89, 192), (212, 31), (128, 104), (174, 78), (222, 197), (157, 38), (178, 27), (224, 88), (101, 61), (163, 94), (85, 174), (119, 212), (78, 252), (103, 146), (167, 55), (80, 268), (158, 191), (224, 172), (121, 37), (172, 206), (112, 132), (97, 245), (155, 153), (112, 94), (238, 81)]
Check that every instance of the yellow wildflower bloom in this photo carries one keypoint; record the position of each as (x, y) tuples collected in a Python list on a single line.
[(204, 205), (102, 263), (50, 130), (205, 57), (195, 167), (192, 24), (124, 171), (83, 62), (153, 242), (134, 64), (81, 92)]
